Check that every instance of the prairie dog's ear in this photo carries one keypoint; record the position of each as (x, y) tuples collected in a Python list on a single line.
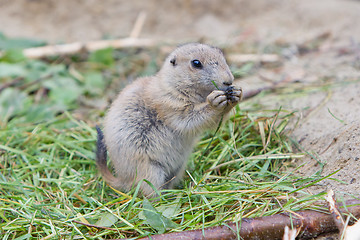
[(173, 61)]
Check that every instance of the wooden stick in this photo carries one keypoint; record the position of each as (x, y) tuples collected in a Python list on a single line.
[(18, 80), (335, 211), (139, 23), (309, 223), (345, 232), (289, 234), (72, 48), (11, 83), (132, 41)]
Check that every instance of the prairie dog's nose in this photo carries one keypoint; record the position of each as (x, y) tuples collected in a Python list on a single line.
[(229, 78)]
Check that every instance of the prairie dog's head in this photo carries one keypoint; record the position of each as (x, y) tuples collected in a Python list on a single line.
[(197, 68)]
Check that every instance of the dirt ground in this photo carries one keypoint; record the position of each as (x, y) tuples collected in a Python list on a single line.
[(329, 121)]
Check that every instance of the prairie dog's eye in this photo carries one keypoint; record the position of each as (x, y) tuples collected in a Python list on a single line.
[(196, 64)]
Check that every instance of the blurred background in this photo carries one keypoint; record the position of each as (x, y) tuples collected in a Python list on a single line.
[(185, 20)]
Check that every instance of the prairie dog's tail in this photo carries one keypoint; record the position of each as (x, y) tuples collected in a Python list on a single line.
[(101, 159)]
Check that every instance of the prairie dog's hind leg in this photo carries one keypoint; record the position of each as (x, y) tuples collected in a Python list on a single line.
[(160, 177), (155, 175)]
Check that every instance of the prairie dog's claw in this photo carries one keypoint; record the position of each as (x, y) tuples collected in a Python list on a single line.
[(220, 100)]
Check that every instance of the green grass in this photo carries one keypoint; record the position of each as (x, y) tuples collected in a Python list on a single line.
[(49, 184)]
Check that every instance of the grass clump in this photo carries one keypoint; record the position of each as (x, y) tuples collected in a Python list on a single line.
[(49, 184)]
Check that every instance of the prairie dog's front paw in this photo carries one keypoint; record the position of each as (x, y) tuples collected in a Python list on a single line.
[(224, 100), (233, 94), (217, 99)]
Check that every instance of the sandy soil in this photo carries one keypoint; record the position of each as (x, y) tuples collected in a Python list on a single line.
[(329, 125)]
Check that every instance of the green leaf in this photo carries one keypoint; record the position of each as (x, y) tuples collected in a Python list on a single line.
[(94, 83), (57, 69), (11, 43), (104, 56), (170, 211), (25, 236), (13, 56), (38, 69), (106, 220), (40, 112), (12, 70), (12, 101), (155, 219), (63, 90)]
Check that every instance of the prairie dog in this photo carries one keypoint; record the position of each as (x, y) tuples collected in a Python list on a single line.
[(152, 126)]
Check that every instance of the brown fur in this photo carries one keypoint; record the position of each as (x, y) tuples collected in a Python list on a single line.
[(152, 126)]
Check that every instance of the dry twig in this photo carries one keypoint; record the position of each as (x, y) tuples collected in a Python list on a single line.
[(345, 232), (73, 48), (309, 223), (335, 212), (289, 234), (135, 32), (11, 83), (132, 41)]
